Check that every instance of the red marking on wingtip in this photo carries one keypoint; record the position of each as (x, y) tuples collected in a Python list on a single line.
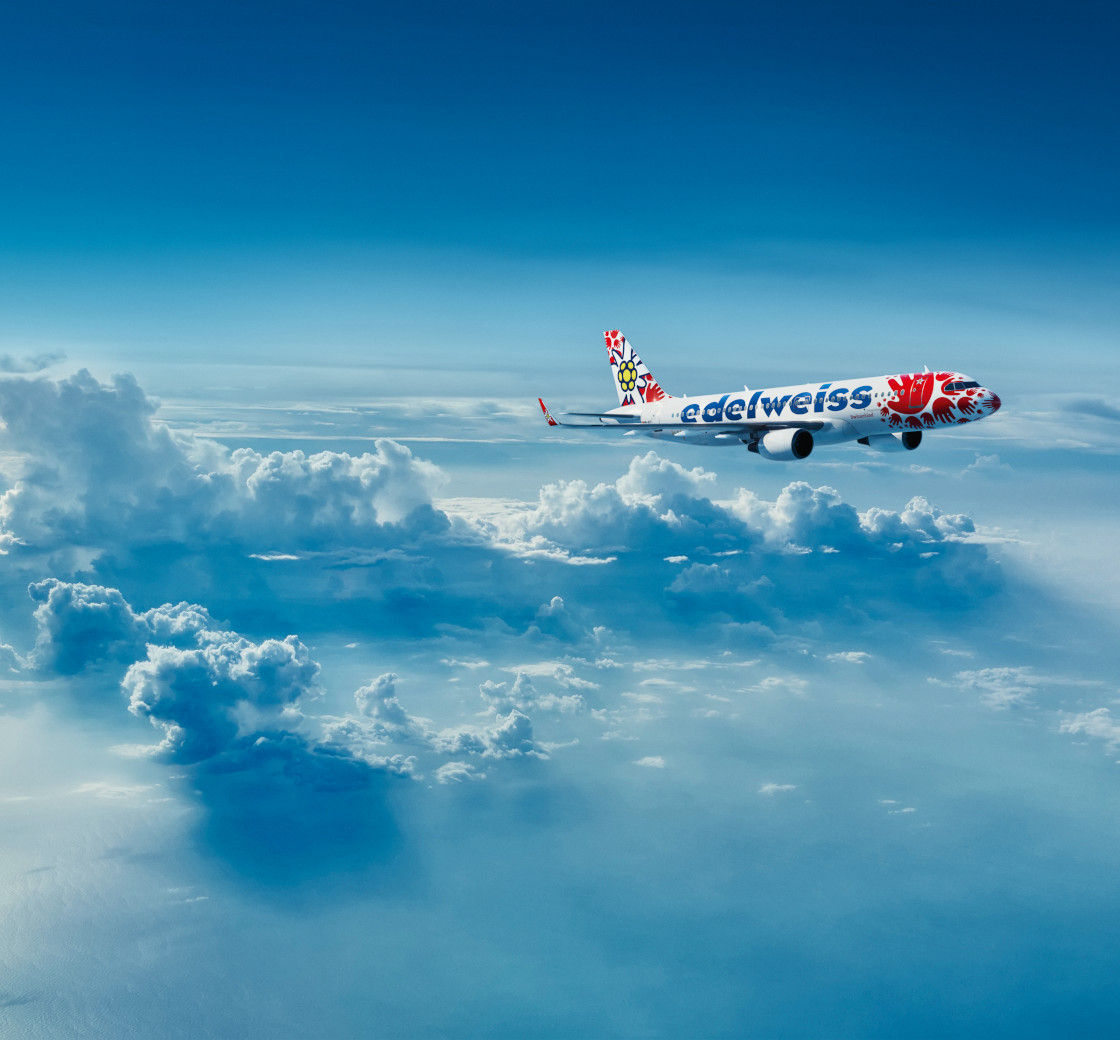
[(547, 414)]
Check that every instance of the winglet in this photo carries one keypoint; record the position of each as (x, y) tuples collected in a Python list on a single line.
[(547, 413)]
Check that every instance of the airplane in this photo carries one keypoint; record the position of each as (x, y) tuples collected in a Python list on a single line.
[(886, 413)]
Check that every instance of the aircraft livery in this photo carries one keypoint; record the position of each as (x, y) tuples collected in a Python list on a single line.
[(888, 413)]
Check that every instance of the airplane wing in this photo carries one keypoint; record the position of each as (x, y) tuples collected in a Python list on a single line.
[(631, 423)]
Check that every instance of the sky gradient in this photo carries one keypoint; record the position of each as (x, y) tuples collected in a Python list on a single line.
[(339, 696)]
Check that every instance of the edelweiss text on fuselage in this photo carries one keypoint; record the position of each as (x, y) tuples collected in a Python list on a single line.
[(732, 409)]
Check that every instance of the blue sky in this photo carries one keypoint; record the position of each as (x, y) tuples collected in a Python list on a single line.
[(339, 696)]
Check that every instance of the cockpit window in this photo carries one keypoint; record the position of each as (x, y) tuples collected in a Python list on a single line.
[(961, 384)]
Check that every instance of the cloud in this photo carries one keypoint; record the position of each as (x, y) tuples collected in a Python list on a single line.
[(319, 542), (377, 701), (805, 553), (112, 791), (1098, 724), (230, 714), (522, 695), (107, 493), (652, 477), (654, 504), (221, 695), (509, 736), (791, 684), (99, 472), (771, 789), (562, 674), (1095, 406), (224, 703), (10, 660), (30, 362), (457, 773), (987, 465), (79, 625), (383, 722), (1001, 687), (651, 762), (803, 516)]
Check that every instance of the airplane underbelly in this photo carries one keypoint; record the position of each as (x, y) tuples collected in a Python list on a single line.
[(700, 436), (835, 431), (865, 423)]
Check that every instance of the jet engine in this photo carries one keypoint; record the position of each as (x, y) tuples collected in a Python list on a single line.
[(906, 441), (784, 445)]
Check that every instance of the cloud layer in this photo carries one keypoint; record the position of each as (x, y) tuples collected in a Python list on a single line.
[(98, 472), (106, 493)]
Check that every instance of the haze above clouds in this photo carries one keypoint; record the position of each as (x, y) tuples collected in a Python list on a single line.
[(339, 695)]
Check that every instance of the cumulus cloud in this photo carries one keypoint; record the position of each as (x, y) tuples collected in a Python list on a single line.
[(377, 701), (383, 722), (522, 695), (99, 472), (79, 625), (110, 494), (11, 662), (1100, 724), (805, 552), (215, 695), (208, 700), (221, 704), (508, 736), (310, 534), (802, 515), (655, 504), (556, 620), (652, 477)]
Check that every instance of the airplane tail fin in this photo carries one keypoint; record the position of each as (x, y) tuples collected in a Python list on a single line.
[(632, 380)]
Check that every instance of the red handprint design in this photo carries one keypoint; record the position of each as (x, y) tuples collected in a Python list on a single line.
[(943, 409)]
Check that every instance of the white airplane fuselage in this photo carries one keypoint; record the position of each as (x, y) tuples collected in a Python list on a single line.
[(848, 409)]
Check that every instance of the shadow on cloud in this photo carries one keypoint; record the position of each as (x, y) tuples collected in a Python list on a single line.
[(290, 795), (293, 816)]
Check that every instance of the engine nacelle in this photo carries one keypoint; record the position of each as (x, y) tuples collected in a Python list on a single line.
[(784, 445), (906, 441)]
